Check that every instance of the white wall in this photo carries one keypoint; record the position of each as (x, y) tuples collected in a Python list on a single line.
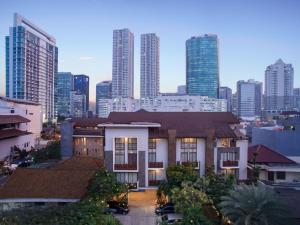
[(243, 145)]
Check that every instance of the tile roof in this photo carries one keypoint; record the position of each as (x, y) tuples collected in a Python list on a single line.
[(19, 101), (87, 122), (267, 155), (11, 133), (79, 163), (186, 124), (13, 119), (96, 132)]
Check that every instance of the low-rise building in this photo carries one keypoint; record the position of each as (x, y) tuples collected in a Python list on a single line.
[(140, 146)]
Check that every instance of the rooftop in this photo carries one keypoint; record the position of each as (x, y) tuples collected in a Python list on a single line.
[(11, 133), (19, 101), (13, 119)]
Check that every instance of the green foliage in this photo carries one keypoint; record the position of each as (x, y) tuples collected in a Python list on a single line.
[(51, 151), (253, 205)]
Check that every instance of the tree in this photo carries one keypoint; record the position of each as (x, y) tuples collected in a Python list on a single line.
[(253, 205), (188, 201)]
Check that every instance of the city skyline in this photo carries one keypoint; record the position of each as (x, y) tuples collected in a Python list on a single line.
[(243, 47)]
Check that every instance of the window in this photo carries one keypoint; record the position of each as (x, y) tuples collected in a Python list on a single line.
[(120, 150), (152, 175), (132, 145), (152, 150), (229, 156), (130, 178), (280, 175), (225, 142), (188, 150)]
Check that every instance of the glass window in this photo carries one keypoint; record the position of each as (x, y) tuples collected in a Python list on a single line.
[(152, 150), (225, 142), (188, 150), (152, 175), (120, 150), (229, 156), (127, 177), (280, 175), (132, 145)]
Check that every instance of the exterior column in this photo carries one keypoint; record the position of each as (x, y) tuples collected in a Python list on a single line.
[(142, 169), (209, 148), (171, 147)]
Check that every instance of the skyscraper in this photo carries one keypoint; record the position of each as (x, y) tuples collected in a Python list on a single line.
[(279, 83), (226, 93), (249, 97), (78, 104), (82, 86), (181, 89), (123, 64), (149, 84), (296, 93), (202, 66), (63, 86), (103, 91), (31, 65)]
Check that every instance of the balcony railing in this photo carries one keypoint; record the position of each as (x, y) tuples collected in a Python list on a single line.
[(154, 182), (156, 165), (229, 163), (125, 166), (193, 164)]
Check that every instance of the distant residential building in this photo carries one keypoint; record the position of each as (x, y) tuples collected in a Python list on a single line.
[(249, 98), (202, 66), (123, 64), (150, 65), (117, 105), (183, 103), (103, 91), (64, 84), (296, 93), (279, 83), (181, 89), (82, 86), (31, 65), (20, 126), (226, 93), (274, 167), (78, 104)]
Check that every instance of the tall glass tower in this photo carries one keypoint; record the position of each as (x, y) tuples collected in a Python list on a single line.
[(202, 66), (82, 86), (103, 91)]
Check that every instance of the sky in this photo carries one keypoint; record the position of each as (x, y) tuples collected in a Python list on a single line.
[(252, 34)]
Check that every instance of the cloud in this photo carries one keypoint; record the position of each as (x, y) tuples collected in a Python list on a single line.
[(86, 58)]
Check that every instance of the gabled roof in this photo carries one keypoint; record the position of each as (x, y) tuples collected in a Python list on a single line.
[(186, 124), (11, 133), (266, 155), (13, 119), (87, 122)]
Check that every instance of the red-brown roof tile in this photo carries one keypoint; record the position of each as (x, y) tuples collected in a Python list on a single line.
[(13, 119), (11, 133), (267, 155), (87, 122)]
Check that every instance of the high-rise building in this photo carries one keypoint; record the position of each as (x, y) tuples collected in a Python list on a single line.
[(123, 64), (226, 93), (149, 84), (202, 66), (103, 91), (78, 104), (31, 65), (279, 83), (296, 93), (181, 89), (63, 86), (82, 86), (249, 98)]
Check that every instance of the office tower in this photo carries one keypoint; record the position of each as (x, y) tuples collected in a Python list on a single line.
[(181, 89), (226, 93), (81, 86), (279, 83), (296, 93), (31, 65), (103, 91), (149, 84), (235, 103), (62, 91), (249, 98), (202, 66), (123, 64), (78, 104)]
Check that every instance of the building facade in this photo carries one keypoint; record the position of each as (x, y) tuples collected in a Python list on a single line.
[(139, 146), (107, 106), (31, 65), (150, 70), (202, 66), (77, 104), (249, 98), (123, 64), (82, 86), (296, 93), (103, 91), (279, 84), (181, 89), (64, 84), (226, 93)]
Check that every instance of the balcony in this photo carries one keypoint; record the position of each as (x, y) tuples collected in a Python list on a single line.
[(229, 164), (156, 165), (154, 182), (125, 166), (193, 164)]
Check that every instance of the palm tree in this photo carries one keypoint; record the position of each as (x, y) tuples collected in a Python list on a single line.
[(253, 205)]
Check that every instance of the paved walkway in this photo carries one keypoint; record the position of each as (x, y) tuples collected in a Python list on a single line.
[(141, 206)]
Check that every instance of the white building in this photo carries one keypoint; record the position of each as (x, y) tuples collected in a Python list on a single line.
[(77, 104), (149, 84), (31, 65), (20, 125), (107, 105), (123, 64), (279, 83)]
